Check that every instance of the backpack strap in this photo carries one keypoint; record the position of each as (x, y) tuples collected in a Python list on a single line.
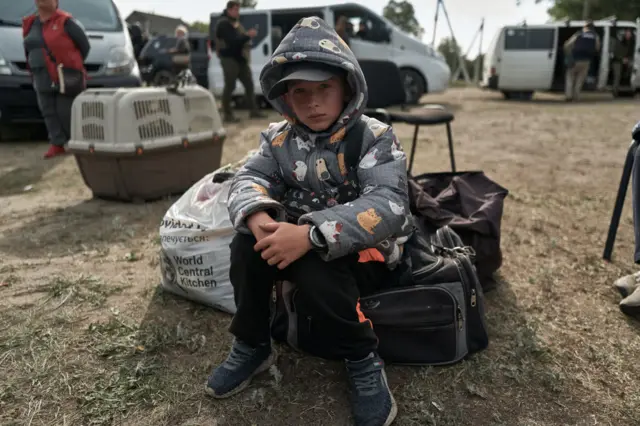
[(353, 145)]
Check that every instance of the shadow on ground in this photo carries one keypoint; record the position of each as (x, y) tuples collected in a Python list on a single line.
[(182, 342), (89, 225), (19, 177)]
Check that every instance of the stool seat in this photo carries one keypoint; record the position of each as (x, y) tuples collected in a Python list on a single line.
[(427, 116)]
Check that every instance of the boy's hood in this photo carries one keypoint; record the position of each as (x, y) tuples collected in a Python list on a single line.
[(312, 39)]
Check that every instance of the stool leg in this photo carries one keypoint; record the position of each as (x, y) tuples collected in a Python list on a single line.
[(413, 149), (617, 209), (451, 154)]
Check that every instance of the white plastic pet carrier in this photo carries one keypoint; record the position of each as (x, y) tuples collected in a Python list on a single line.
[(145, 143)]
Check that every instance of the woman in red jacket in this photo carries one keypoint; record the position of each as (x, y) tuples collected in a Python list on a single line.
[(52, 37)]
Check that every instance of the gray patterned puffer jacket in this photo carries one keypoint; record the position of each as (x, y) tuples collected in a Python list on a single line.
[(301, 176)]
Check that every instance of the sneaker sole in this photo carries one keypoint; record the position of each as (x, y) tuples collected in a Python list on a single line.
[(242, 386), (394, 407), (631, 310)]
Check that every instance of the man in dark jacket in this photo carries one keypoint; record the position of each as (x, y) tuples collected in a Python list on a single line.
[(233, 47), (622, 57), (580, 49)]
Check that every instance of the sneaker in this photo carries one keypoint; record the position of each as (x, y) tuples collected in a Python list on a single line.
[(235, 374), (371, 399), (54, 151), (630, 305), (627, 284)]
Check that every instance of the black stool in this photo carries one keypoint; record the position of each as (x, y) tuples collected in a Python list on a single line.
[(429, 115), (622, 193)]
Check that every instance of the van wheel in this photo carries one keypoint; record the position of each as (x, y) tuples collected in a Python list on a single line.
[(414, 86), (519, 96), (162, 78), (626, 94)]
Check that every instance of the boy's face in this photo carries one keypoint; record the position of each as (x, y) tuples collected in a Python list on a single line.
[(317, 104)]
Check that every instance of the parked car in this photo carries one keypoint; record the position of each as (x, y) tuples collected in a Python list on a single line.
[(156, 64), (423, 70), (111, 61), (525, 59)]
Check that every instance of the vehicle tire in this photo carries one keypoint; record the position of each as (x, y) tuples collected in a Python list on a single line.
[(625, 94), (162, 78), (414, 85), (517, 96)]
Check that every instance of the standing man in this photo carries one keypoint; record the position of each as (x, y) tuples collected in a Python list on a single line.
[(580, 50), (233, 47), (622, 57)]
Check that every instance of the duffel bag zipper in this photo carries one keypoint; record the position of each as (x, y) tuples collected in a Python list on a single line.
[(413, 288), (427, 269), (460, 317), (473, 298)]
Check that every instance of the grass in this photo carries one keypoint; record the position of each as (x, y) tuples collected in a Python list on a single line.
[(87, 338)]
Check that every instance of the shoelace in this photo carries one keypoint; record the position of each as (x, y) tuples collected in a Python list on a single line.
[(367, 382), (238, 356)]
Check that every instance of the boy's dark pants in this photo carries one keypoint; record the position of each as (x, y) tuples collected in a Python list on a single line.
[(330, 290)]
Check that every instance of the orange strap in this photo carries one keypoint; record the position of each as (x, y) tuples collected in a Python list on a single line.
[(370, 255)]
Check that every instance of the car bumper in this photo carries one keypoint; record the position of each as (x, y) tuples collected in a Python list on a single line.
[(18, 102)]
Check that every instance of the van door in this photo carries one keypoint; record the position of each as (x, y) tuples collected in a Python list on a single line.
[(635, 76), (260, 50), (528, 59)]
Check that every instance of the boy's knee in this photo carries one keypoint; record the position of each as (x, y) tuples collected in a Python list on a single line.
[(242, 247)]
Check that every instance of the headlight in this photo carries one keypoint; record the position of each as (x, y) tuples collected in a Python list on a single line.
[(120, 62), (4, 67)]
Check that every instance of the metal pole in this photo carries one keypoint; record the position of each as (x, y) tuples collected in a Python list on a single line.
[(456, 74), (586, 6), (435, 24), (467, 79), (476, 77)]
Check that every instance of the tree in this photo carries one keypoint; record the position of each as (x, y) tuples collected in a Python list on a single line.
[(199, 27), (594, 9), (249, 3), (403, 15), (451, 52)]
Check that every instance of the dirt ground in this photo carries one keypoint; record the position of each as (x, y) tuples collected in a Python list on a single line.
[(86, 337)]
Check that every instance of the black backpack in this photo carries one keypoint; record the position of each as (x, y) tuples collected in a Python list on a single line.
[(433, 315)]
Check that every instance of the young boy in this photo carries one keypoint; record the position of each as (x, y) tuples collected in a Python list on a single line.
[(300, 218)]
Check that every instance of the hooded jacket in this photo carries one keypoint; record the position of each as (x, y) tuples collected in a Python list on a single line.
[(299, 175)]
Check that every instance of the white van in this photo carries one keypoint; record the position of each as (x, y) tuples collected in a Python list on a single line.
[(423, 70), (111, 61), (530, 58)]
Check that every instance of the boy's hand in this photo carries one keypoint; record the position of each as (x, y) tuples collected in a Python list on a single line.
[(255, 222), (285, 244)]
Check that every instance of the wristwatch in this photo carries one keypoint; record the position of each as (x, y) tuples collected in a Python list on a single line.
[(317, 239)]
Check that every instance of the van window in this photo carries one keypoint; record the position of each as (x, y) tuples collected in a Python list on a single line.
[(94, 15), (529, 39), (365, 25)]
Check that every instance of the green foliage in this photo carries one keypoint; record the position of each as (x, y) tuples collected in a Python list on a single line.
[(249, 3), (403, 15), (199, 27), (451, 52), (596, 9)]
